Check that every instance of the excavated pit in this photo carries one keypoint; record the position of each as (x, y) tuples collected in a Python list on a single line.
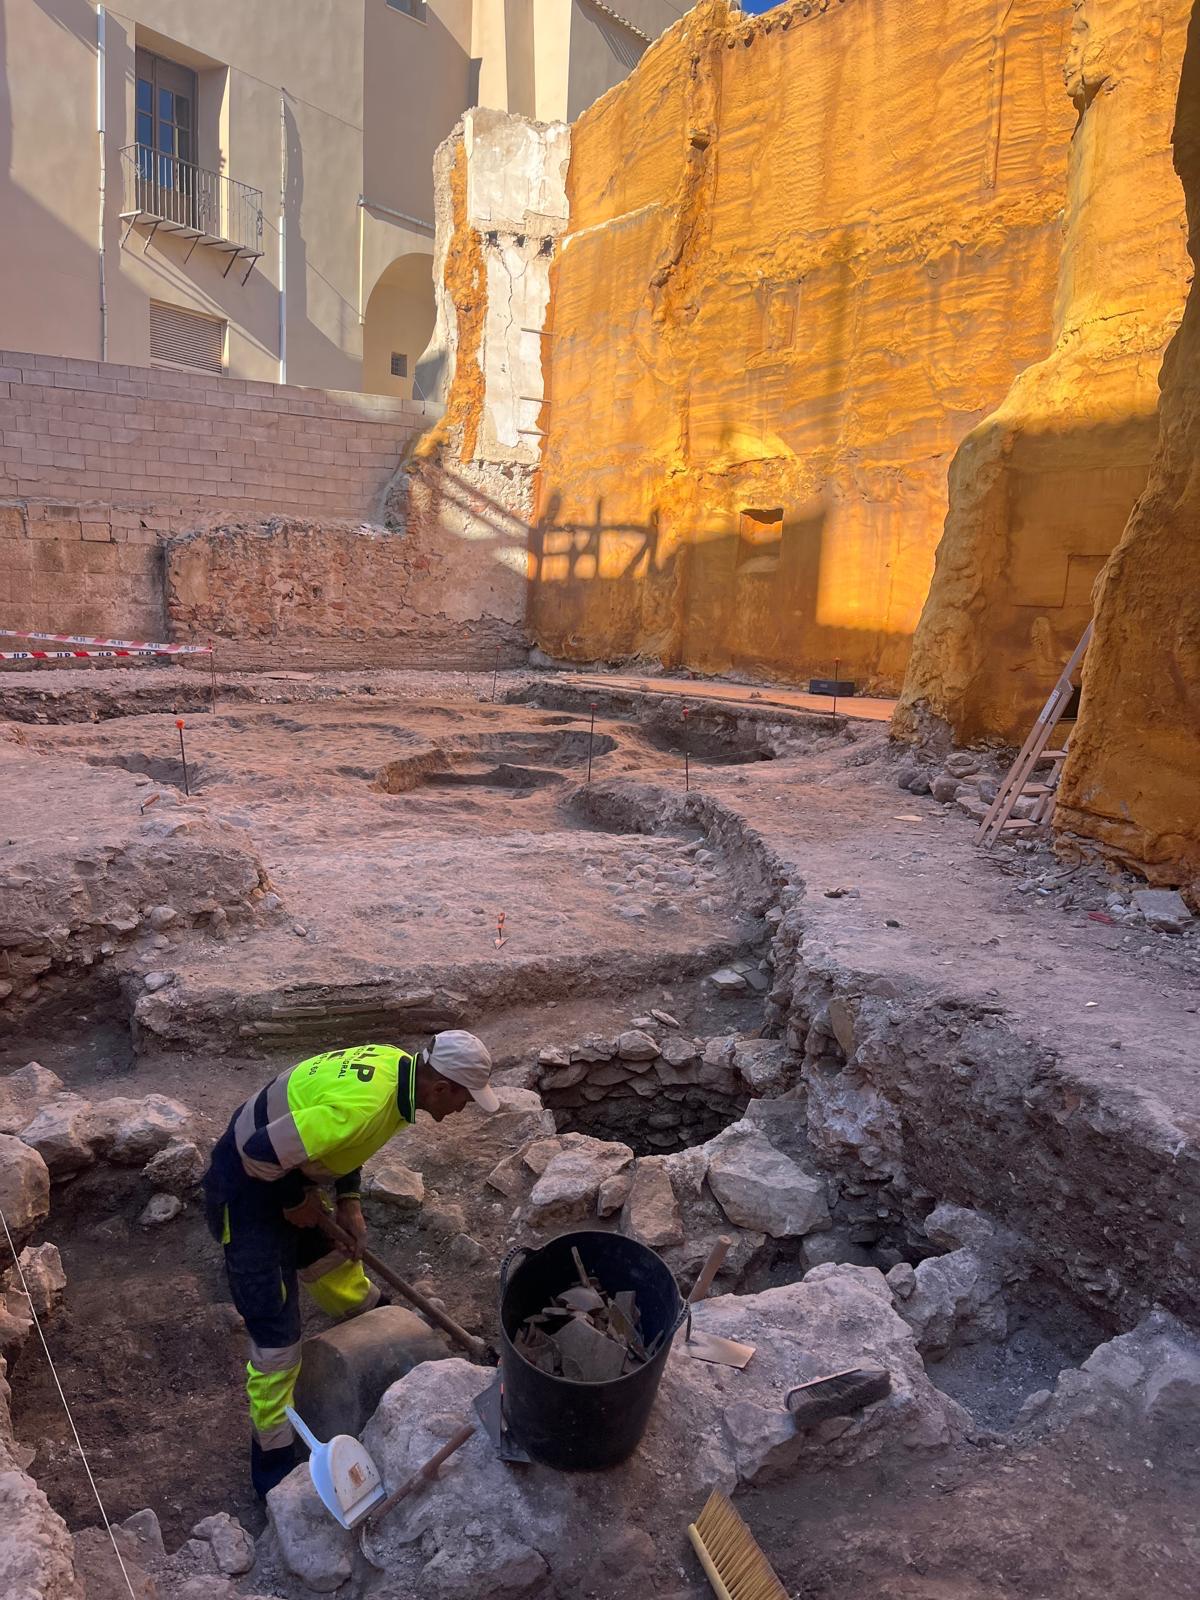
[(860, 1073)]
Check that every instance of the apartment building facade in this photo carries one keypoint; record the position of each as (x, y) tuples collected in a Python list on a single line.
[(244, 187)]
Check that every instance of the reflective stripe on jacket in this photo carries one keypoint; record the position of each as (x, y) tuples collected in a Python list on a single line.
[(325, 1116)]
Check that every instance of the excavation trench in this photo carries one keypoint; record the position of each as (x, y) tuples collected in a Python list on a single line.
[(152, 1354), (867, 1088)]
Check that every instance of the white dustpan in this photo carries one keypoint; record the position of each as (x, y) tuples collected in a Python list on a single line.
[(342, 1473)]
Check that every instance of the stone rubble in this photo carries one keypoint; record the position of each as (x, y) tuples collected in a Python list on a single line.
[(71, 1133)]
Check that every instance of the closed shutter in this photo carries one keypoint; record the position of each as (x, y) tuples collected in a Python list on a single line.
[(180, 338)]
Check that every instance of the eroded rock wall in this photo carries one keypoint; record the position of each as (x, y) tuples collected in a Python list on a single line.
[(1040, 490), (807, 252), (1132, 782)]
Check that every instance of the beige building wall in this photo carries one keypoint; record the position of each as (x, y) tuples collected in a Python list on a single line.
[(332, 110)]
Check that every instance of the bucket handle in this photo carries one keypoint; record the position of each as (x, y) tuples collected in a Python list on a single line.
[(506, 1264)]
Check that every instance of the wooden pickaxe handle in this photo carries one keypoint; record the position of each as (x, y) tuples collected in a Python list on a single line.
[(429, 1470), (709, 1270), (475, 1348)]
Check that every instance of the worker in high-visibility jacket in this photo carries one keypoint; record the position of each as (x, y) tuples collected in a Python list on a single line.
[(311, 1126)]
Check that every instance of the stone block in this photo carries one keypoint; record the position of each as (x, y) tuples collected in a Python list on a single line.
[(345, 1370)]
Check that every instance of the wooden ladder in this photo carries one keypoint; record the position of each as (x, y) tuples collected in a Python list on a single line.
[(1022, 778)]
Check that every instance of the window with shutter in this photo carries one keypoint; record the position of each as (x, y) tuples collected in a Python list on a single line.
[(180, 338)]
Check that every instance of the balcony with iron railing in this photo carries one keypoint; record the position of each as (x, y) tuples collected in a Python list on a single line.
[(161, 193)]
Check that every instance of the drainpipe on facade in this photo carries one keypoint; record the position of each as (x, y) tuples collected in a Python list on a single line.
[(282, 236), (101, 62)]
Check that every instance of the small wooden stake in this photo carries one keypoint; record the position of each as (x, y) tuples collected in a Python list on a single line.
[(500, 935), (837, 667), (495, 672), (183, 755), (591, 736), (212, 674), (687, 774)]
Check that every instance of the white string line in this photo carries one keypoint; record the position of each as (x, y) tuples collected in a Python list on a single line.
[(54, 1374)]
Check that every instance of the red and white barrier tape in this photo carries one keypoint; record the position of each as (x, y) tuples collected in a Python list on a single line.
[(70, 655), (120, 646)]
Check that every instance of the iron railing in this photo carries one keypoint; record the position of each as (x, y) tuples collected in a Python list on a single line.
[(163, 191)]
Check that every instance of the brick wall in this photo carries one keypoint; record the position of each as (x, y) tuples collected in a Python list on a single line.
[(173, 442), (74, 569), (99, 464)]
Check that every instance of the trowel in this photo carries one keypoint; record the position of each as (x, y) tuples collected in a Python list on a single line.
[(711, 1346), (490, 1407)]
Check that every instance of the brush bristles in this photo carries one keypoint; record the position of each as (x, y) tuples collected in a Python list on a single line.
[(735, 1557)]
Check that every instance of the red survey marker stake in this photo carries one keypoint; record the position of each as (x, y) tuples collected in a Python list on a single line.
[(500, 934)]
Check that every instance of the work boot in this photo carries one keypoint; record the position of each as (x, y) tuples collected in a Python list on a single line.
[(270, 1467)]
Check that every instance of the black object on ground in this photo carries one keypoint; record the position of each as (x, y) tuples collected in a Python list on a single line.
[(838, 1395), (490, 1408), (839, 688), (585, 1423)]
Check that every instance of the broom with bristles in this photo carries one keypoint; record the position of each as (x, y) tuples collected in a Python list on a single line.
[(729, 1553)]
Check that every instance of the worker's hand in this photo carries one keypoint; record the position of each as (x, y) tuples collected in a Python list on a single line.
[(350, 1217), (310, 1211)]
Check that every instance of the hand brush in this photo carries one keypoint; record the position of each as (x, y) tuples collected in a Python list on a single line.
[(729, 1553)]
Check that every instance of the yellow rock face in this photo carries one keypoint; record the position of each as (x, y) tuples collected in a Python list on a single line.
[(1132, 782), (807, 253), (1041, 489)]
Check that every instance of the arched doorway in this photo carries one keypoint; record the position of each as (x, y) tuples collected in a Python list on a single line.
[(397, 326)]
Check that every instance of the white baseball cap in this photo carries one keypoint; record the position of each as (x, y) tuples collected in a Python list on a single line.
[(464, 1059)]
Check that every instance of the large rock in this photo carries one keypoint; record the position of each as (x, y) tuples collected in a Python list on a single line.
[(634, 1045), (23, 1093), (345, 1369), (64, 1134), (312, 1545), (71, 1132), (24, 1188), (232, 1546), (567, 1190), (766, 1066), (651, 1212), (100, 1573), (41, 1278), (704, 1223), (496, 1565), (480, 1528), (959, 1298), (36, 1553), (130, 1132), (1151, 1373), (143, 1528), (395, 1185), (177, 1168), (16, 1324), (759, 1187)]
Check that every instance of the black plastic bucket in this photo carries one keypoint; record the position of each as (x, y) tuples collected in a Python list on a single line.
[(584, 1426)]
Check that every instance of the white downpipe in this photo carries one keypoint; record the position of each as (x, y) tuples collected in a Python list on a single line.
[(361, 226), (101, 63), (282, 237)]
